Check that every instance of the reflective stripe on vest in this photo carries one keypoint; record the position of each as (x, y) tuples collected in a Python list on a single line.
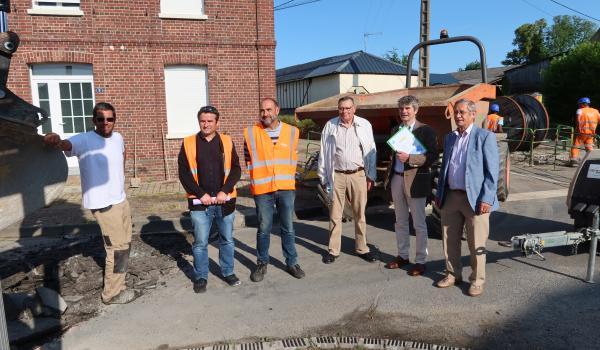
[(587, 120), (189, 146), (492, 122), (272, 167)]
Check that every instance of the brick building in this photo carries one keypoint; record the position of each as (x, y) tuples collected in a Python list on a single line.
[(157, 61)]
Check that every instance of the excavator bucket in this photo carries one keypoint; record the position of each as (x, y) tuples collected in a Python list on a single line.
[(32, 175)]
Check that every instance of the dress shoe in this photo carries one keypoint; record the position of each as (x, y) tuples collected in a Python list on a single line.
[(417, 270), (447, 281), (397, 263), (329, 258), (475, 291), (368, 257)]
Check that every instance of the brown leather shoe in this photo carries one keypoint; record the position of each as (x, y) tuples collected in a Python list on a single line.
[(417, 270), (475, 291), (397, 263), (447, 281)]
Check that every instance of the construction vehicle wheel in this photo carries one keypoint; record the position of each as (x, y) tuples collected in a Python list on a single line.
[(504, 171)]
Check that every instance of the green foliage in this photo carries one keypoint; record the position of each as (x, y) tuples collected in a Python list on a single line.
[(569, 77), (304, 125), (529, 40), (537, 41), (393, 56), (471, 66)]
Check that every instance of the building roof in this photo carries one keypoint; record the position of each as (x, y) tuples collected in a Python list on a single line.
[(441, 79), (472, 77), (358, 62), (596, 37)]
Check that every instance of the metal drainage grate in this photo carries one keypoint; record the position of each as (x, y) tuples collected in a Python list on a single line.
[(325, 340), (396, 342), (220, 347), (347, 340), (373, 341), (251, 346), (294, 343)]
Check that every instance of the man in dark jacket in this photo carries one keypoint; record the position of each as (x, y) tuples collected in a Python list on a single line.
[(408, 178)]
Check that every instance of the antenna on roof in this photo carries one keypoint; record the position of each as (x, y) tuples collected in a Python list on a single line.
[(366, 35)]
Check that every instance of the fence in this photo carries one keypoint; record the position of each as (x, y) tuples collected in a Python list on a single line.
[(558, 139)]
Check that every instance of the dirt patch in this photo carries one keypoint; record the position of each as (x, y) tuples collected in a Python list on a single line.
[(74, 268)]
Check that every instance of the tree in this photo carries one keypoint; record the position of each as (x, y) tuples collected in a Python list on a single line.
[(471, 66), (537, 41), (567, 32), (393, 56), (529, 40), (570, 77)]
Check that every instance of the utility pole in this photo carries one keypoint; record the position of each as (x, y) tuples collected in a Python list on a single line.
[(366, 35), (424, 51)]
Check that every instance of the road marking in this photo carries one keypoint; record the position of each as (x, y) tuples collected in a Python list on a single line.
[(562, 192)]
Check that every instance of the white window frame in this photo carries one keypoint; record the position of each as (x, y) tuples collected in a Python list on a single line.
[(165, 13), (184, 123), (55, 8)]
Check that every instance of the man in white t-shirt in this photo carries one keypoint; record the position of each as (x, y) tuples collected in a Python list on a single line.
[(101, 162)]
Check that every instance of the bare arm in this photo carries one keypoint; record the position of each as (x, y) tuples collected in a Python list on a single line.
[(53, 140)]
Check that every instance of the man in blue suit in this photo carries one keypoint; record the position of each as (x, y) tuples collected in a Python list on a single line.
[(466, 194)]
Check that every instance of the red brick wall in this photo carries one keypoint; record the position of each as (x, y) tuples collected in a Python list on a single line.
[(129, 45)]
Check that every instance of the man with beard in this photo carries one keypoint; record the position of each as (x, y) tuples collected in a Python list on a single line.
[(270, 151), (101, 156)]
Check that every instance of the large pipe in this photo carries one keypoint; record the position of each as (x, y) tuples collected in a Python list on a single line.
[(446, 41)]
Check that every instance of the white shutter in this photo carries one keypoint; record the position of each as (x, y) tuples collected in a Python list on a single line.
[(180, 7), (186, 91)]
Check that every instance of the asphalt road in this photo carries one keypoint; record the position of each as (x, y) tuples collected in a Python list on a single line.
[(527, 304)]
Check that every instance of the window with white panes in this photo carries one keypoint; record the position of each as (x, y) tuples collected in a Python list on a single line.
[(187, 9), (74, 4)]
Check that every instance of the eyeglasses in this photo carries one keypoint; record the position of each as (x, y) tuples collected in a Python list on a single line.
[(101, 119)]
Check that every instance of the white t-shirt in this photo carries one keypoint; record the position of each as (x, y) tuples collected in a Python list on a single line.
[(101, 168)]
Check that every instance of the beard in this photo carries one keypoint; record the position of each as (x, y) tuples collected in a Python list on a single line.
[(267, 121)]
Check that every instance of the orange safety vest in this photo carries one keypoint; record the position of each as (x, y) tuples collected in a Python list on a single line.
[(492, 121), (272, 167), (587, 120), (189, 146)]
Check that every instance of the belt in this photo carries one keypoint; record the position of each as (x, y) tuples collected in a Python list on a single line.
[(348, 172), (461, 191), (398, 173)]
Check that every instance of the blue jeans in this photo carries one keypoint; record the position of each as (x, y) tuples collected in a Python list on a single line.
[(202, 221), (284, 201)]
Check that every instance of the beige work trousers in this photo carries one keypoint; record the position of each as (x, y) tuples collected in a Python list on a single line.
[(457, 213), (353, 187), (115, 224)]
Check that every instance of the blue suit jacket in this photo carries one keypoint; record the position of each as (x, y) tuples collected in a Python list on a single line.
[(481, 174)]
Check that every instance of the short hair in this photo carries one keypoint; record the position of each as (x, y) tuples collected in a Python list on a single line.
[(471, 107), (346, 98), (103, 106), (270, 99), (409, 100), (209, 109)]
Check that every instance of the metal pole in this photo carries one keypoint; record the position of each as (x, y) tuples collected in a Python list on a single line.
[(593, 246), (424, 51), (531, 149), (3, 331)]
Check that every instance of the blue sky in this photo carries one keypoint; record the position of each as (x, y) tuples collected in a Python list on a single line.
[(333, 27)]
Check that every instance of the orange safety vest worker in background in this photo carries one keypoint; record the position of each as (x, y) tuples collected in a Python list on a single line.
[(493, 123), (189, 146), (587, 121), (272, 167)]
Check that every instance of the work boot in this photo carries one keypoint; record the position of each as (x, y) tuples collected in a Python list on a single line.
[(259, 273), (200, 285), (124, 297), (296, 271)]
